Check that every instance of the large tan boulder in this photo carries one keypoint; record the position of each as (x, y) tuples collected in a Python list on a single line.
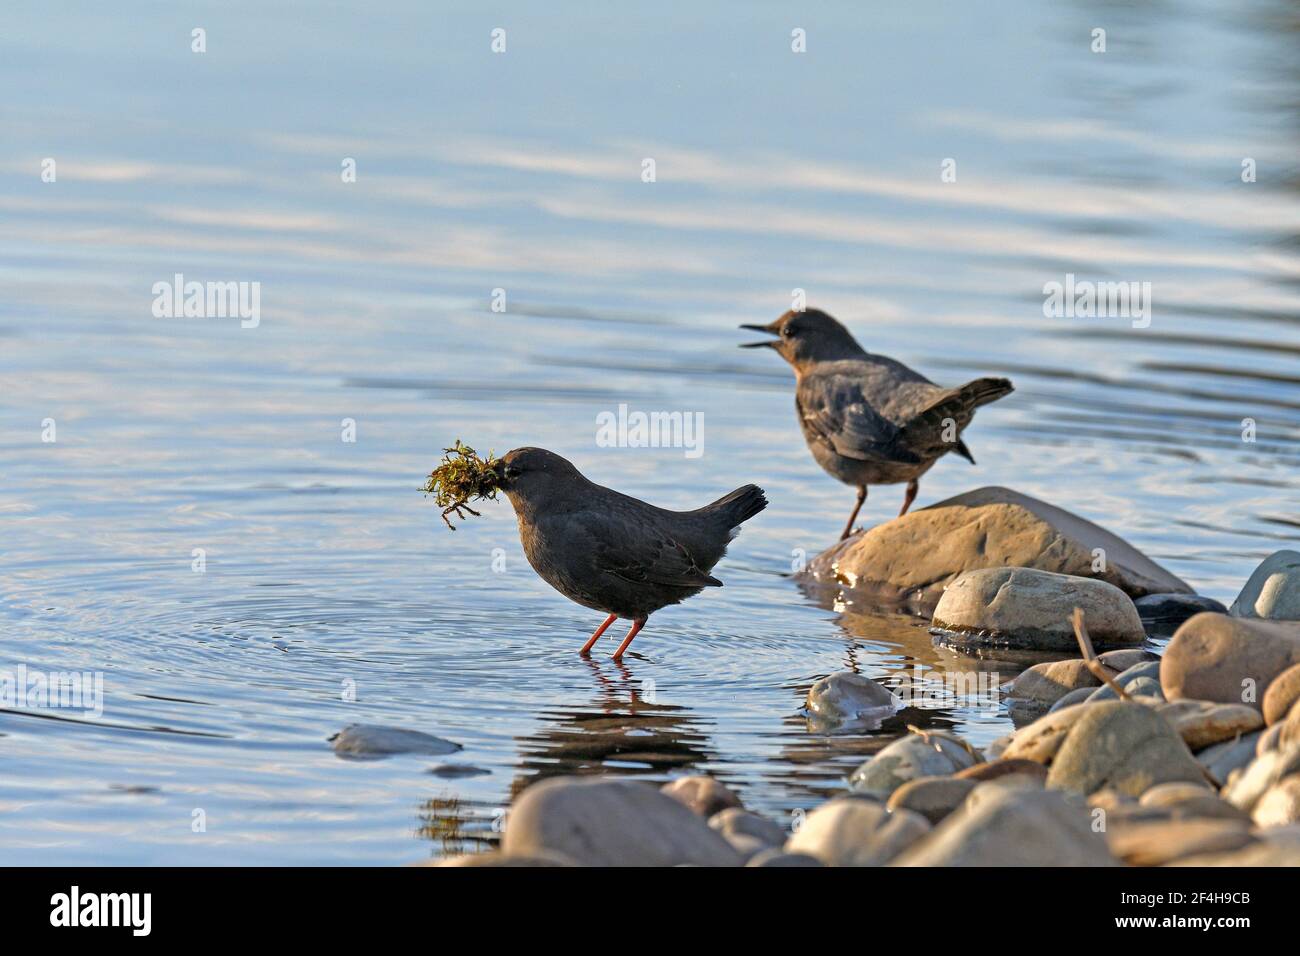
[(1120, 745), (1228, 659), (911, 559)]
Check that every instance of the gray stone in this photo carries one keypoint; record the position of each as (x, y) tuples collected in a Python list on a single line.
[(850, 831), (747, 832), (1121, 745), (607, 822), (1162, 613), (1144, 687), (929, 754), (1273, 590), (1123, 678), (847, 700), (932, 797), (911, 559), (1223, 758), (701, 794), (1043, 738), (1121, 659), (373, 742), (1245, 787), (1072, 698), (1028, 608), (1004, 826), (776, 857)]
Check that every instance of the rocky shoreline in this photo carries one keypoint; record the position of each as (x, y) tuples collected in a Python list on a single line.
[(1190, 758)]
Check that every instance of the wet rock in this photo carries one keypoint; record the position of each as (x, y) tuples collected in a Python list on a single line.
[(776, 857), (374, 742), (1245, 787), (1122, 745), (913, 558), (1043, 738), (1280, 804), (1281, 695), (748, 832), (1121, 659), (997, 769), (1072, 698), (1221, 759), (847, 700), (929, 754), (1227, 659), (1156, 843), (932, 797), (1028, 608), (1005, 826), (608, 822), (1162, 613), (1150, 669), (701, 794), (1273, 590), (850, 831), (1048, 682), (1202, 723)]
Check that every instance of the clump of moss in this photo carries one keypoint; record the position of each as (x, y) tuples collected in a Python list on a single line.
[(462, 477)]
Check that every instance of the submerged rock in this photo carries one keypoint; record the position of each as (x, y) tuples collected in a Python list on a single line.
[(852, 831), (373, 742), (701, 794), (928, 754), (1162, 613), (1227, 659), (1028, 608), (848, 700), (1006, 826), (1121, 745), (608, 822), (1273, 590), (911, 559)]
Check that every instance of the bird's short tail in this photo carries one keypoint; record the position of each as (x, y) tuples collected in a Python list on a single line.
[(738, 506), (985, 390)]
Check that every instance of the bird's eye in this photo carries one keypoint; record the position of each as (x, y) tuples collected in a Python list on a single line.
[(788, 331), (512, 471)]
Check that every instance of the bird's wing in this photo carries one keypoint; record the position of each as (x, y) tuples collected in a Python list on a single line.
[(837, 413), (638, 548)]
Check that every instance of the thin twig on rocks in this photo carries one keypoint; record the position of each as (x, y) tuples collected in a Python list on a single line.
[(1090, 656)]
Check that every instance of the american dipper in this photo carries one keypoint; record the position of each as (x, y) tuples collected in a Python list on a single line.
[(611, 552), (868, 419)]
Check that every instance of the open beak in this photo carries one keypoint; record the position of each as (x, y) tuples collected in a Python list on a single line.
[(760, 345)]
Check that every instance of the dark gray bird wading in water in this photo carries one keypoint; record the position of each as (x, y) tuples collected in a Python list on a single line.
[(613, 553), (868, 419)]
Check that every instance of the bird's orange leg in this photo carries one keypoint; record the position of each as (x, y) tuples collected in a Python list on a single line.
[(586, 648), (848, 528), (636, 626), (912, 487)]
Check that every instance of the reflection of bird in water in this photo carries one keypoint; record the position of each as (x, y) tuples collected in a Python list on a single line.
[(625, 730)]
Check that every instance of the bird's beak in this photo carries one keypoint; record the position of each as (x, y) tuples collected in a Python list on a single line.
[(760, 345)]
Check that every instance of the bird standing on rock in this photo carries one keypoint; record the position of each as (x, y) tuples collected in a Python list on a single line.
[(868, 419), (610, 552)]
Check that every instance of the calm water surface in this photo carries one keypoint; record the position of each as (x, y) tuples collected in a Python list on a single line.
[(327, 572)]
